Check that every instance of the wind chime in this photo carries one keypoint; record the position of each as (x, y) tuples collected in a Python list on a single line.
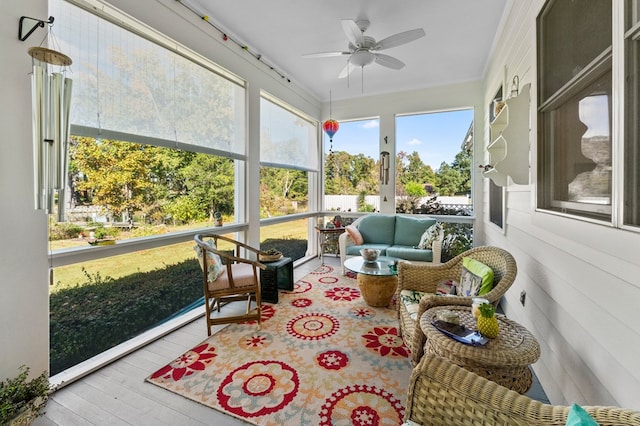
[(51, 99)]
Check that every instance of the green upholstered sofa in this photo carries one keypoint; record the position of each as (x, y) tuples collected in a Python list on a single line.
[(395, 235)]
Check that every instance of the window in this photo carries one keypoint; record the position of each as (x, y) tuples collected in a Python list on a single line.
[(288, 155), (158, 145), (575, 96), (352, 174), (631, 209), (433, 162)]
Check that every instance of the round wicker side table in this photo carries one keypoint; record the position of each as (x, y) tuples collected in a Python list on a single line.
[(504, 360)]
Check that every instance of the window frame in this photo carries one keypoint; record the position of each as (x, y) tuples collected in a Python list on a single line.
[(602, 63)]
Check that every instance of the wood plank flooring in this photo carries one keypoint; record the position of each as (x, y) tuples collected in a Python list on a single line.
[(117, 394)]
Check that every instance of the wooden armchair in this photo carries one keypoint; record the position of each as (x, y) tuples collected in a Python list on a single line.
[(228, 277), (425, 278), (442, 393)]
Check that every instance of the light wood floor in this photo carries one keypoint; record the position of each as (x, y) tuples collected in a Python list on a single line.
[(118, 394)]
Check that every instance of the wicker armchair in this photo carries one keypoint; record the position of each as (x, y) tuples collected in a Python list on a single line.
[(442, 393), (425, 278)]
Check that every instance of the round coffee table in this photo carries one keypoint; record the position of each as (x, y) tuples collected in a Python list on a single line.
[(376, 280), (504, 360)]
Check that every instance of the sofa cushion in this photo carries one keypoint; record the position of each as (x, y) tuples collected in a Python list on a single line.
[(409, 229), (354, 250), (355, 235), (409, 253), (377, 229)]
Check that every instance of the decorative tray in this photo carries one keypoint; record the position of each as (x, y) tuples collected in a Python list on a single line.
[(270, 257), (460, 333)]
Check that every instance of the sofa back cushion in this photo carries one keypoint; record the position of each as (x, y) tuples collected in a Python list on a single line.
[(410, 229), (377, 228)]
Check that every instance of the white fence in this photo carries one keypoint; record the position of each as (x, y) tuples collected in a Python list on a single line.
[(349, 203)]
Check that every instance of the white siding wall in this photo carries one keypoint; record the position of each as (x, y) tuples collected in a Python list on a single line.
[(24, 301), (582, 280)]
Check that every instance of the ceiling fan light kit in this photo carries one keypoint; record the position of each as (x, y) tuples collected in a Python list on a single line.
[(363, 50)]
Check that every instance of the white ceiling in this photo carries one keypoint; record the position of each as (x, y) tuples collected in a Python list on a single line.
[(459, 38)]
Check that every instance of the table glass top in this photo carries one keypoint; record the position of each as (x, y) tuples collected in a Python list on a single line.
[(380, 267)]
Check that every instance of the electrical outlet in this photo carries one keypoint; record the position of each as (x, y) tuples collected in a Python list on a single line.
[(523, 296)]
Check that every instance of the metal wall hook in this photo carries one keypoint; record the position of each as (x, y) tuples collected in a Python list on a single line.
[(39, 23)]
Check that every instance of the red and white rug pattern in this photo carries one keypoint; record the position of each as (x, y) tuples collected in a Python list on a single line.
[(322, 356)]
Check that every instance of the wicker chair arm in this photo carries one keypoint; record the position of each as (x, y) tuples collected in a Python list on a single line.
[(442, 393), (424, 276)]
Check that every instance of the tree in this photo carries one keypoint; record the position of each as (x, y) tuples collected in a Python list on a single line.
[(209, 180), (117, 175), (410, 168), (448, 180), (279, 188), (350, 174)]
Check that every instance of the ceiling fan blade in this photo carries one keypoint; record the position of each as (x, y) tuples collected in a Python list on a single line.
[(353, 32), (399, 39), (388, 61), (346, 70), (325, 54)]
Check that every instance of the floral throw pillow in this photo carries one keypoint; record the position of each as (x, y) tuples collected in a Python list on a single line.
[(446, 287), (214, 263), (430, 235)]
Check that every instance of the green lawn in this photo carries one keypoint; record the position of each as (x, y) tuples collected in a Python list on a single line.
[(148, 260)]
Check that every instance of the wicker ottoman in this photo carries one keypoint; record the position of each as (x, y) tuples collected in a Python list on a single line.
[(504, 360)]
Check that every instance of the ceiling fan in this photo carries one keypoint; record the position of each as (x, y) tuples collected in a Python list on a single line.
[(363, 50)]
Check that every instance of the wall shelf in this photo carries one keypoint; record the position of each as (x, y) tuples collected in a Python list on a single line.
[(509, 146)]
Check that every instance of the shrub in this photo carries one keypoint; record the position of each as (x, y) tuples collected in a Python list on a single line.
[(458, 239), (19, 394), (295, 249), (89, 319), (63, 231)]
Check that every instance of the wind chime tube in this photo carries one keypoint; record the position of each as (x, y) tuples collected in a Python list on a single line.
[(51, 142), (65, 108), (45, 125), (56, 109), (37, 109)]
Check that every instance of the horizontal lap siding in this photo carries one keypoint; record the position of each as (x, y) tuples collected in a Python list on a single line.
[(582, 280)]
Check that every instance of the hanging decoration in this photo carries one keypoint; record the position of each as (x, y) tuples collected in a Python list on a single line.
[(330, 127), (51, 98)]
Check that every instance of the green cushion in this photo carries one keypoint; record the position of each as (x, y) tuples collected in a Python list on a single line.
[(377, 228), (410, 229), (476, 279), (410, 253), (579, 417)]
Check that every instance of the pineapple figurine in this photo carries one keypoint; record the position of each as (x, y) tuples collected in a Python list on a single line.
[(487, 321)]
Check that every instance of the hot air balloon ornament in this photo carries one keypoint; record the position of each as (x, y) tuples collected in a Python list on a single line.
[(330, 127)]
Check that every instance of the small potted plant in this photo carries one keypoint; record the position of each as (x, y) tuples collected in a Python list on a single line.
[(21, 400), (217, 216)]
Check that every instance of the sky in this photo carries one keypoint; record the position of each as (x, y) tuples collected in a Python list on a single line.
[(437, 137)]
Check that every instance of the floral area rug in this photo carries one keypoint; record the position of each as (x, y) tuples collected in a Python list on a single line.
[(322, 356)]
